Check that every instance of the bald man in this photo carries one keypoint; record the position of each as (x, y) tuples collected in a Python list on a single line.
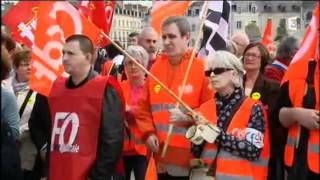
[(148, 39), (241, 39)]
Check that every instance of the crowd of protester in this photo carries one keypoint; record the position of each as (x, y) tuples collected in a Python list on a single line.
[(120, 116)]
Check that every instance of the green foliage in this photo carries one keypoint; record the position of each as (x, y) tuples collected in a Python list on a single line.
[(281, 30), (253, 31)]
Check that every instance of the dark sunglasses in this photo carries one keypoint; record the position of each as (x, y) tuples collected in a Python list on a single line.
[(216, 71)]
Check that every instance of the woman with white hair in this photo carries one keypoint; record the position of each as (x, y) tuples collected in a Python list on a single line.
[(134, 151), (241, 150)]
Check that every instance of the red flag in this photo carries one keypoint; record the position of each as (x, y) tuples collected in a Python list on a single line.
[(100, 13), (21, 20), (163, 9), (56, 21), (267, 36), (308, 51)]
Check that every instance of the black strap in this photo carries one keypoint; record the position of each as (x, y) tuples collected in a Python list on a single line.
[(299, 170), (24, 104), (213, 166)]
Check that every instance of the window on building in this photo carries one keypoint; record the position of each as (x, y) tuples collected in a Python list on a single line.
[(281, 8), (193, 28), (298, 23), (253, 9), (239, 24), (308, 16), (197, 12), (234, 7), (267, 8)]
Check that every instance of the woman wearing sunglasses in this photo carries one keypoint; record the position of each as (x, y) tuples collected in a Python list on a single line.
[(255, 59), (242, 148)]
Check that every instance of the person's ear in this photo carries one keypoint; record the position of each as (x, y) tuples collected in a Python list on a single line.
[(89, 57), (187, 36)]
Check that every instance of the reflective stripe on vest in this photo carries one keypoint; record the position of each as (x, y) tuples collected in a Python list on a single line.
[(232, 177), (314, 148), (230, 166), (164, 107), (134, 139), (162, 126), (228, 156), (176, 130), (297, 89), (133, 145)]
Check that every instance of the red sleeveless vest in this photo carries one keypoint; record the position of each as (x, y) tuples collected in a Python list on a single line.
[(75, 118)]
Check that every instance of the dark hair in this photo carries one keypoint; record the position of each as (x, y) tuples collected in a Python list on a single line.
[(5, 64), (23, 55), (265, 56), (8, 42), (133, 34), (112, 51), (287, 46), (181, 22), (85, 43)]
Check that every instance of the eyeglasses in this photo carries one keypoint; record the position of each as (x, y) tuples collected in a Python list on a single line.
[(216, 71)]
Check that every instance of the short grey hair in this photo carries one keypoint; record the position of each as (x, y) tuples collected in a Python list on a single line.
[(144, 30), (139, 53), (226, 59)]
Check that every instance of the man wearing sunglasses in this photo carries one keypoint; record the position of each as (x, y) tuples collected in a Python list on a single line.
[(152, 114)]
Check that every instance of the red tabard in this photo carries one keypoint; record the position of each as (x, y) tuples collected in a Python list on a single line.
[(75, 119)]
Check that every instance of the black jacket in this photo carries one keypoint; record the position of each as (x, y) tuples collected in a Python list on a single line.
[(111, 129)]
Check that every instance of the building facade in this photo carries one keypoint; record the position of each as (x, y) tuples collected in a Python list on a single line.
[(127, 18), (295, 14)]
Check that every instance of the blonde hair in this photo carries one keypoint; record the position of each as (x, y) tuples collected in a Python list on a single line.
[(226, 59), (139, 53)]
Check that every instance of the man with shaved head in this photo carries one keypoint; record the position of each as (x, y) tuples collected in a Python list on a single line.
[(241, 39), (148, 39)]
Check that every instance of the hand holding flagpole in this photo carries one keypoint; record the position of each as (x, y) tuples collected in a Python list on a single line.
[(166, 142)]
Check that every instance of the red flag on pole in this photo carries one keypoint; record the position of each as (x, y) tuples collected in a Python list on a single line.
[(56, 21), (308, 51), (100, 13), (163, 9), (267, 36), (21, 20)]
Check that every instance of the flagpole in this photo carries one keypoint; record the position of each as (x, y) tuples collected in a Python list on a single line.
[(204, 14), (149, 74)]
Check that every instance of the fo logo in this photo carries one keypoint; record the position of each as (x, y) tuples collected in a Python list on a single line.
[(65, 144)]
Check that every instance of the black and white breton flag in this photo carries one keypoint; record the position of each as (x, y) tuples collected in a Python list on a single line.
[(215, 29)]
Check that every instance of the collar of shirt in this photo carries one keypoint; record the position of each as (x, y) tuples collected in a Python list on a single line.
[(71, 85)]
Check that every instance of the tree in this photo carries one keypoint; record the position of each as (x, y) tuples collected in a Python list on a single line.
[(253, 32), (281, 30)]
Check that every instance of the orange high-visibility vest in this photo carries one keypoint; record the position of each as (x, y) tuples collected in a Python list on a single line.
[(134, 144), (297, 90), (208, 110), (161, 101), (230, 166)]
